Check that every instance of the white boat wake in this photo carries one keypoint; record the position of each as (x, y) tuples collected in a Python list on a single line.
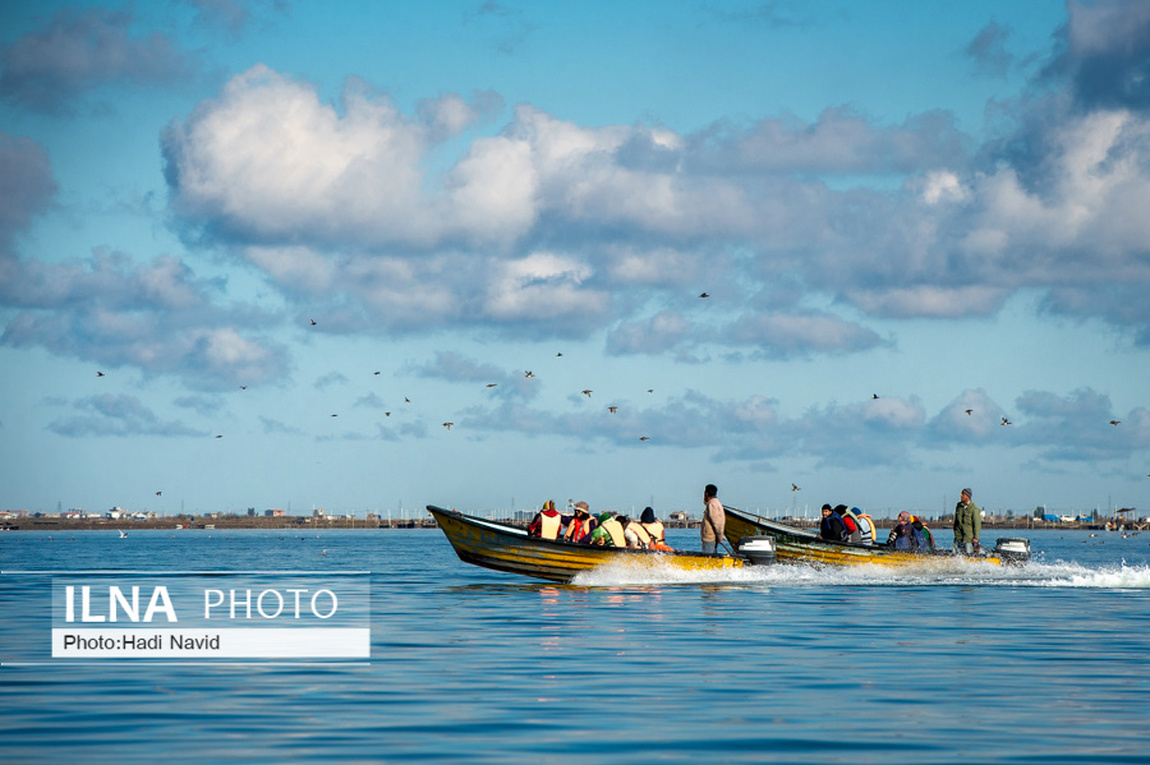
[(1057, 574)]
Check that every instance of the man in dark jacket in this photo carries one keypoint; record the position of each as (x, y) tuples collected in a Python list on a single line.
[(832, 526)]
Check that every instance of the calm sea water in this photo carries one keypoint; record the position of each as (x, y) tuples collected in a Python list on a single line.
[(1047, 663)]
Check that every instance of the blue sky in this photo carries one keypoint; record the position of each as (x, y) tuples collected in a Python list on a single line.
[(900, 211)]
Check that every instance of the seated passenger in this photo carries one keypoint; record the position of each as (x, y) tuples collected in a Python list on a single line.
[(546, 523), (633, 531), (910, 534), (850, 525), (580, 525), (832, 528), (609, 533), (865, 524), (654, 527)]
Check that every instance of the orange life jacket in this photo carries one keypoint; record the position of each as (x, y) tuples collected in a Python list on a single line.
[(578, 529)]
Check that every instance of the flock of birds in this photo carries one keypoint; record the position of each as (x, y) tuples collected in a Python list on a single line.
[(613, 409)]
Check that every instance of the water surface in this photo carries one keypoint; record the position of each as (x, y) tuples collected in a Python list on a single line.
[(962, 663)]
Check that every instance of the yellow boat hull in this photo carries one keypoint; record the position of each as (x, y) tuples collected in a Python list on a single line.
[(505, 548), (793, 545)]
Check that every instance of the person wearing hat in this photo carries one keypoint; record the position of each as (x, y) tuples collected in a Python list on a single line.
[(967, 525), (580, 525)]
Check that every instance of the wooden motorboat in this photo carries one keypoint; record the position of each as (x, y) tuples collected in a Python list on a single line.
[(805, 546), (506, 548)]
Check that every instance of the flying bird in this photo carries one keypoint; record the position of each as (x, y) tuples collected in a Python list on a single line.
[(969, 411), (448, 425), (158, 493), (650, 390), (376, 373), (243, 387), (557, 355), (529, 373), (219, 436), (795, 488), (1115, 422), (1006, 421), (387, 414), (704, 295), (313, 322), (99, 373), (874, 395), (492, 385), (406, 400), (335, 415), (612, 409), (587, 392), (644, 438)]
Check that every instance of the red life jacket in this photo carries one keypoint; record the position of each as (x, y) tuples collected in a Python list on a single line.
[(579, 529)]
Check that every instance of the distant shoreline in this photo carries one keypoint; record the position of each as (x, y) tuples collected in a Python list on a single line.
[(301, 523)]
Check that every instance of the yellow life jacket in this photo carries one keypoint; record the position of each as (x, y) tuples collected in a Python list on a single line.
[(550, 526), (615, 529), (655, 530), (644, 537)]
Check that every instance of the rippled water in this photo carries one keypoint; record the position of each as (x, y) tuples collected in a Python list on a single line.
[(964, 663)]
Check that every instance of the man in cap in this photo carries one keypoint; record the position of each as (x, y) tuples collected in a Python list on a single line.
[(967, 525)]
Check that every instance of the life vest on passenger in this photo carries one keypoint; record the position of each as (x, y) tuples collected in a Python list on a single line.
[(546, 523), (854, 526), (832, 528), (866, 526), (655, 529), (849, 524), (615, 530), (578, 529), (550, 522), (637, 528)]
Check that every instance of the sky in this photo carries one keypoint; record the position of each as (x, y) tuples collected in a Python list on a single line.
[(369, 256)]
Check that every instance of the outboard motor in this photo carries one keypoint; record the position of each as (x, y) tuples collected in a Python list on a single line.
[(759, 551), (1012, 549)]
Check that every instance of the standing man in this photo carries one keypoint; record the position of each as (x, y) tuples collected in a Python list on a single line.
[(967, 525), (714, 519)]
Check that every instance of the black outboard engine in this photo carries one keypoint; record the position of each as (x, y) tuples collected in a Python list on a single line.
[(759, 551), (1012, 549)]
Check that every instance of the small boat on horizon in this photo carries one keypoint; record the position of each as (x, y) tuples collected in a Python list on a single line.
[(509, 549)]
